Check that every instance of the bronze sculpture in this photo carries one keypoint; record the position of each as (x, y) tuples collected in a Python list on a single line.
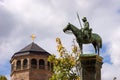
[(85, 36)]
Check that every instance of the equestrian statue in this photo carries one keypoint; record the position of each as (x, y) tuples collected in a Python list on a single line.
[(85, 35)]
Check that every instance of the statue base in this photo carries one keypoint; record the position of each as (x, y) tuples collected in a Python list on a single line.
[(91, 65)]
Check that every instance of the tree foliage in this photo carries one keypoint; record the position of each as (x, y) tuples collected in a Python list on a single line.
[(3, 78), (65, 67)]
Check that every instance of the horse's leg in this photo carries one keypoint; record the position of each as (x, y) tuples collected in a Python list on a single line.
[(81, 49), (98, 49), (95, 47), (80, 45)]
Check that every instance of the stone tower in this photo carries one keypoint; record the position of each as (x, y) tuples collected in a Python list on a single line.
[(31, 63)]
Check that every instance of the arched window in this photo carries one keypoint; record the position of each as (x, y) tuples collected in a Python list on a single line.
[(25, 63), (33, 63), (18, 64), (41, 64), (48, 64)]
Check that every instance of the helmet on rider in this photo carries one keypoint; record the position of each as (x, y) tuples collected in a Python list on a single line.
[(84, 19)]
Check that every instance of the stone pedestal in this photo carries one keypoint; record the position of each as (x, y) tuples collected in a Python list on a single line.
[(91, 65)]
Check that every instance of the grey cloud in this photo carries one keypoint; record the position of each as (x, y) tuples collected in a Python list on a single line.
[(7, 22)]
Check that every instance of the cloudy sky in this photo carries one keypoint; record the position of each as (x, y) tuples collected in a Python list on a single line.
[(47, 18)]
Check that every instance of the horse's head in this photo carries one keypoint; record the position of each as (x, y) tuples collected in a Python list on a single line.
[(67, 28)]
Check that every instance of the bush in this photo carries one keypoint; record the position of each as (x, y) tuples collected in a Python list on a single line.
[(3, 78), (66, 66)]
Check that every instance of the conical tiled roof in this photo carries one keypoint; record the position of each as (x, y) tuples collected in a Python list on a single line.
[(32, 49)]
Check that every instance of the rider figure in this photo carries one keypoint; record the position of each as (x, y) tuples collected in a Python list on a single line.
[(86, 30)]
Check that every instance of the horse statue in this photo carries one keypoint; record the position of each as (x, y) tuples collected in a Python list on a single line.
[(78, 33)]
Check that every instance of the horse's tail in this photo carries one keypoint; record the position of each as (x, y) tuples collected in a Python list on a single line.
[(99, 39)]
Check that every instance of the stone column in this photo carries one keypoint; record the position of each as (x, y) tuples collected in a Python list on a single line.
[(91, 65), (15, 65), (29, 63), (21, 64), (37, 63), (46, 66)]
